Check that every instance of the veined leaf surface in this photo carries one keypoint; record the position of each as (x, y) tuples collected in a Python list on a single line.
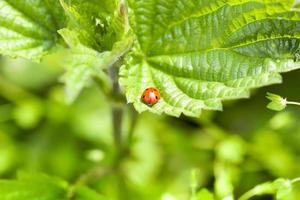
[(198, 53), (28, 27)]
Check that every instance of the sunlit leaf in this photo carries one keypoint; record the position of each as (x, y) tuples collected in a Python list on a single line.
[(204, 194), (28, 27), (199, 53), (32, 187), (95, 35)]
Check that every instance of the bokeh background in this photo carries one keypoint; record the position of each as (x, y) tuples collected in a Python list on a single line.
[(233, 150)]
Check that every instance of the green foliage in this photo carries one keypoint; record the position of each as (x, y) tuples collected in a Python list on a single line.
[(84, 63), (85, 193), (228, 160), (28, 28), (204, 194), (89, 19), (194, 65), (281, 188), (200, 53), (95, 37), (32, 187)]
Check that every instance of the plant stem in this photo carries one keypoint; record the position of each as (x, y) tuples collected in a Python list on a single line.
[(247, 195), (293, 103), (295, 180), (133, 122), (117, 115), (87, 178), (117, 107)]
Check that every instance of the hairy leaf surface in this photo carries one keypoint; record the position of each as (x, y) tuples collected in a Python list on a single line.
[(28, 27), (199, 53)]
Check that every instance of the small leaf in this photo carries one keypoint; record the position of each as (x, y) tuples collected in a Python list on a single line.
[(283, 187), (82, 64), (96, 38), (97, 24), (277, 102), (28, 27)]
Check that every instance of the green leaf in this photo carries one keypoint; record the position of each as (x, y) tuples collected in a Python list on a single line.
[(32, 187), (28, 27), (84, 63), (204, 194), (96, 36), (283, 187), (85, 193), (277, 102), (200, 53), (280, 188), (97, 24)]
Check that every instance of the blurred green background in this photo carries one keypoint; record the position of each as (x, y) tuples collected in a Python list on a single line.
[(229, 151)]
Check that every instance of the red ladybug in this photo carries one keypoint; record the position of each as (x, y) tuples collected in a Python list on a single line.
[(150, 96)]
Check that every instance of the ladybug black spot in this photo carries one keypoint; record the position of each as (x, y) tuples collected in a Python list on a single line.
[(156, 97), (143, 96)]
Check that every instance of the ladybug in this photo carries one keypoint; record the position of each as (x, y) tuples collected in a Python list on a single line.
[(150, 96)]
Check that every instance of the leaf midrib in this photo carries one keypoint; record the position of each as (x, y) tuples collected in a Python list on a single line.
[(223, 48)]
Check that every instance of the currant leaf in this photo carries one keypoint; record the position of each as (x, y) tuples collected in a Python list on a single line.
[(200, 53)]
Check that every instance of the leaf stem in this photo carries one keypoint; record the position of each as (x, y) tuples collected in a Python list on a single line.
[(263, 189), (117, 107), (90, 176), (247, 195), (295, 180), (293, 103)]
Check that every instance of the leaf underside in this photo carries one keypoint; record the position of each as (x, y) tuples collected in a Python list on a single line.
[(198, 53), (28, 28)]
